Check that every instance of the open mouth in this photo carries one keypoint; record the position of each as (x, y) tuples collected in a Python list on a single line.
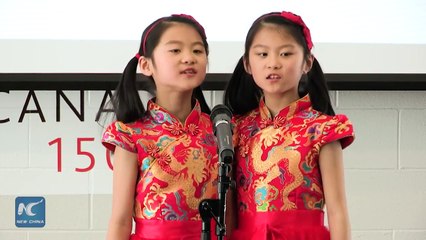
[(189, 71), (273, 77)]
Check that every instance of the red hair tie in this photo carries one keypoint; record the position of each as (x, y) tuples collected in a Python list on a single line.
[(137, 56)]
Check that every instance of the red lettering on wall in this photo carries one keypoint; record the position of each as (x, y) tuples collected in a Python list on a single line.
[(84, 153), (59, 152)]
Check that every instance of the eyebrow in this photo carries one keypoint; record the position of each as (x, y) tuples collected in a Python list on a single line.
[(265, 46), (180, 42)]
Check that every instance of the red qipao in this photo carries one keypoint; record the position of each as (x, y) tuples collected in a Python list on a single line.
[(279, 187), (177, 169)]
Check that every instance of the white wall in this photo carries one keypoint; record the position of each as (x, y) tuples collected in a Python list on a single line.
[(111, 56), (385, 167)]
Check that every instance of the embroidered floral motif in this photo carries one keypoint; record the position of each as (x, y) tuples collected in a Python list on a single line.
[(163, 161), (265, 123), (193, 129), (152, 150), (279, 121), (175, 128)]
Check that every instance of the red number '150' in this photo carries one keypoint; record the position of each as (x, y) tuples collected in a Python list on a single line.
[(80, 152)]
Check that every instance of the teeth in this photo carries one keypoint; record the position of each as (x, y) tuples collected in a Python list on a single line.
[(274, 77), (189, 71)]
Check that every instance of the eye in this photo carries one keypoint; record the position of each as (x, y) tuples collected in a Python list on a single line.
[(262, 54), (286, 54), (175, 50), (198, 51)]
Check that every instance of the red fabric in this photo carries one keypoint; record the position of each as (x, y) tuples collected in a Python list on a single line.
[(278, 156), (279, 186), (287, 225), (171, 230), (177, 162)]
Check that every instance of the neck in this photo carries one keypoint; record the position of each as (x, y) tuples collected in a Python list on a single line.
[(177, 103), (276, 102)]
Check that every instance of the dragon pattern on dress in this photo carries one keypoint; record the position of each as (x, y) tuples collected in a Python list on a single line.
[(177, 162), (277, 157)]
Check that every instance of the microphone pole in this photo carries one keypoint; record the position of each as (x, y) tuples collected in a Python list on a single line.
[(221, 118), (216, 208), (224, 182)]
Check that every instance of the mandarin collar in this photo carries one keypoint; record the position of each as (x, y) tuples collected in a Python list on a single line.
[(287, 112), (161, 115)]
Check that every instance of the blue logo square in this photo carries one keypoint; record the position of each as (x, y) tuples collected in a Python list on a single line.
[(30, 212)]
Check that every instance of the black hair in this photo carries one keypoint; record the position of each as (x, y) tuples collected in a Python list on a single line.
[(126, 101), (243, 95)]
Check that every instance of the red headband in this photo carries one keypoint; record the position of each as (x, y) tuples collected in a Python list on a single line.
[(297, 20), (192, 19), (162, 19), (148, 32)]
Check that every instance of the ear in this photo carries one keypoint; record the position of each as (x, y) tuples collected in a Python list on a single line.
[(145, 66), (308, 64), (246, 66)]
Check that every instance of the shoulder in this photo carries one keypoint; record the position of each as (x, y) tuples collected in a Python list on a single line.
[(243, 126), (204, 117), (246, 119), (338, 127), (121, 134), (118, 126), (205, 121)]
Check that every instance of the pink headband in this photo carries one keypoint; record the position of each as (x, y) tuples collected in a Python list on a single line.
[(297, 20), (192, 19), (148, 32), (162, 19)]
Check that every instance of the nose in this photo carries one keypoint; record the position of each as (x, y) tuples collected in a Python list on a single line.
[(274, 67), (188, 58), (189, 61), (274, 63)]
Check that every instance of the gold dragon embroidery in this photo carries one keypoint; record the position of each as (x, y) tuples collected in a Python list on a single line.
[(280, 153), (183, 170)]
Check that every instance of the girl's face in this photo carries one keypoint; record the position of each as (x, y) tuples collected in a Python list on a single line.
[(276, 62), (179, 61)]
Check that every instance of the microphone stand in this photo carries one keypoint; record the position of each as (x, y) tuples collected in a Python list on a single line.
[(216, 208)]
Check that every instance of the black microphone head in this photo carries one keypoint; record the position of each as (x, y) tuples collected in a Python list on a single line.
[(220, 109)]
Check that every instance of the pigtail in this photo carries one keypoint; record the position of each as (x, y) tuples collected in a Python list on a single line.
[(126, 102), (198, 94), (241, 94), (318, 90)]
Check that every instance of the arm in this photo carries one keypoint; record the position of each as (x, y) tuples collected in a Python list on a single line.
[(123, 193), (331, 166)]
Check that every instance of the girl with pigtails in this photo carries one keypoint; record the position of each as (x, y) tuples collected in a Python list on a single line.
[(288, 140), (165, 156)]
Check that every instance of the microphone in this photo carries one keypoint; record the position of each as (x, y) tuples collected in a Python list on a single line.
[(221, 119)]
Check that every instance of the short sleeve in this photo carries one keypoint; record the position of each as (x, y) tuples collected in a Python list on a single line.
[(118, 134), (338, 128)]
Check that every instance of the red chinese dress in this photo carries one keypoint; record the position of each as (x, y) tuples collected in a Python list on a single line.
[(279, 187), (177, 169)]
